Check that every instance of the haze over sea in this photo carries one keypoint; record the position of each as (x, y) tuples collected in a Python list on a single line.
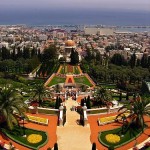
[(70, 17)]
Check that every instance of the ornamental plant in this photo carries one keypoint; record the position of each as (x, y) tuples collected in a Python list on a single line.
[(112, 138)]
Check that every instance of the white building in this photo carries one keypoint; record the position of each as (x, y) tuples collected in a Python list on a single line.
[(99, 31)]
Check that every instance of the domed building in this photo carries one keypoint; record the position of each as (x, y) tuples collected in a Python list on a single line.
[(69, 45)]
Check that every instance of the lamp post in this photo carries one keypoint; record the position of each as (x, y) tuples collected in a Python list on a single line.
[(22, 118)]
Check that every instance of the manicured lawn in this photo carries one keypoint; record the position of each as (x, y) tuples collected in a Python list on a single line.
[(126, 138), (63, 69), (17, 135), (76, 70), (69, 69), (56, 80), (83, 80)]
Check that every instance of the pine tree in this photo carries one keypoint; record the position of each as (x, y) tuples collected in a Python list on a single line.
[(133, 60), (144, 61)]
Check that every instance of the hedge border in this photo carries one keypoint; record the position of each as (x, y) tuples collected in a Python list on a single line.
[(100, 140), (9, 136)]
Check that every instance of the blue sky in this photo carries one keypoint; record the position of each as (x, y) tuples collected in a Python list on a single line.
[(77, 4)]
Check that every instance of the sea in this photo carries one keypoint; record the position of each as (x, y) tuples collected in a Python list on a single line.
[(76, 17)]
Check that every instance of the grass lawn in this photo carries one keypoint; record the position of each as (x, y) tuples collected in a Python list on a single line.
[(56, 80), (83, 80), (17, 135), (76, 70), (128, 136), (63, 69)]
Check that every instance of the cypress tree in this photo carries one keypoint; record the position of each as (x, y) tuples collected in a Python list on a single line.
[(133, 60), (88, 103), (94, 146), (55, 146), (57, 103)]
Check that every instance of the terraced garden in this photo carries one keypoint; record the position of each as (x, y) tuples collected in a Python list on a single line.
[(115, 138), (56, 80), (34, 139)]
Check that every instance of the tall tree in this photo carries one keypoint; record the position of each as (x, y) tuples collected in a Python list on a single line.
[(49, 54), (39, 92), (138, 108), (26, 53), (144, 61), (133, 60), (74, 57)]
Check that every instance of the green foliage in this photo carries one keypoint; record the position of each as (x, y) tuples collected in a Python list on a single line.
[(118, 59), (10, 101), (49, 54), (74, 56)]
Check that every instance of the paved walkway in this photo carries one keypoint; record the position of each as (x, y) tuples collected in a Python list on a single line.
[(73, 136)]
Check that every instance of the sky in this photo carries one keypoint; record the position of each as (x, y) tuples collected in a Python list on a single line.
[(135, 5)]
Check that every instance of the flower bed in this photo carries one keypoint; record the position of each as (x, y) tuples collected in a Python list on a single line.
[(112, 138), (106, 120), (38, 120)]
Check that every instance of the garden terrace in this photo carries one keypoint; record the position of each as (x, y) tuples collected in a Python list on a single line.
[(69, 69), (33, 143), (55, 80), (82, 80), (128, 136)]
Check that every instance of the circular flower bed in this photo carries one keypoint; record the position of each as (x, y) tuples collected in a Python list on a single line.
[(34, 138), (112, 138)]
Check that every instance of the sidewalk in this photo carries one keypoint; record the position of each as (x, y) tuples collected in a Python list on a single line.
[(73, 136)]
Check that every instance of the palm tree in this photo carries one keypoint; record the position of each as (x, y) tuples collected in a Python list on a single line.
[(137, 109), (11, 103), (102, 96), (40, 92)]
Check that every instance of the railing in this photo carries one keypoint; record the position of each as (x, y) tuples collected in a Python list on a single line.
[(47, 111)]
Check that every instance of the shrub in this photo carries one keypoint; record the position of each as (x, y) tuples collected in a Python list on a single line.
[(55, 146)]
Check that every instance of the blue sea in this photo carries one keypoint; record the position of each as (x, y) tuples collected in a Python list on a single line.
[(66, 17)]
